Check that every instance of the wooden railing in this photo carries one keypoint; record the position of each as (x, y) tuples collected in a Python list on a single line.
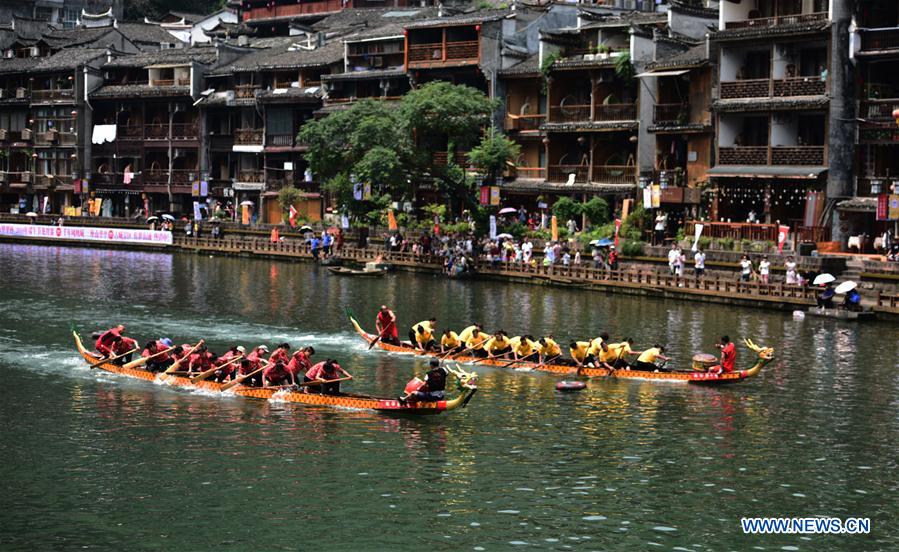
[(560, 173), (440, 158), (248, 136), (773, 88), (161, 177), (614, 174), (321, 6), (15, 176), (880, 39), (777, 20), (736, 231), (162, 82), (878, 112), (180, 131), (280, 140), (531, 172), (670, 113), (525, 122), (130, 132), (244, 91), (747, 88), (251, 176), (601, 112), (780, 156), (569, 113), (813, 234), (58, 95), (435, 53)]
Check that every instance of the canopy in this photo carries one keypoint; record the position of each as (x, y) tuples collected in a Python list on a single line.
[(823, 279), (846, 287), (168, 217), (672, 73), (31, 214), (605, 242), (508, 210), (505, 236), (246, 203)]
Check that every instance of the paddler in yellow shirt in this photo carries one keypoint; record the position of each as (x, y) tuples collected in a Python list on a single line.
[(422, 334), (548, 348), (598, 345), (465, 334), (579, 351), (450, 342), (475, 343), (646, 360), (499, 345), (524, 348), (615, 355)]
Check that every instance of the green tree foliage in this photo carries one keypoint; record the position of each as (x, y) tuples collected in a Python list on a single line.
[(597, 211), (492, 154), (287, 196), (566, 208), (441, 108)]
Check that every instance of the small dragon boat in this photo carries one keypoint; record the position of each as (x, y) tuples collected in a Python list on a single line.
[(696, 377), (467, 383)]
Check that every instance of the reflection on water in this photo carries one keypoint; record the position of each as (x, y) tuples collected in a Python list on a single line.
[(94, 460)]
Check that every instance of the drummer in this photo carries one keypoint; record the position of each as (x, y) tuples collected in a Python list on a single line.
[(728, 357)]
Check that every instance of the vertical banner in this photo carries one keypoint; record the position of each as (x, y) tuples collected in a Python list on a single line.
[(554, 228), (494, 195), (697, 231), (344, 222), (647, 198), (197, 214), (46, 204), (883, 207), (626, 208), (195, 189), (357, 191), (617, 230), (893, 212), (391, 221), (782, 233), (366, 191), (245, 214), (204, 188), (96, 206), (485, 195), (492, 227), (292, 217), (656, 196)]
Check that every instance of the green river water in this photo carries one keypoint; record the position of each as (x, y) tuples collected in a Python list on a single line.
[(100, 462)]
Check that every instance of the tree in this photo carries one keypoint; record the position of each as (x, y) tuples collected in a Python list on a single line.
[(492, 154), (440, 108), (566, 208), (597, 211)]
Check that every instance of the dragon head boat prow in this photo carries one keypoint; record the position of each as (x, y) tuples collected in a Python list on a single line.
[(765, 353)]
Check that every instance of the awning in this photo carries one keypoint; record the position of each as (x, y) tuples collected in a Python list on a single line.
[(246, 149), (858, 204), (765, 171), (249, 186), (672, 73)]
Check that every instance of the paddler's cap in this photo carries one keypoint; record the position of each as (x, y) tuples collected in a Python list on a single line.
[(435, 363), (611, 247), (166, 341), (240, 349), (383, 307), (262, 348)]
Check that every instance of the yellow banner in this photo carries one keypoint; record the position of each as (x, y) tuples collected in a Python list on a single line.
[(656, 196), (893, 203), (625, 209), (554, 228), (245, 214), (391, 221), (494, 195)]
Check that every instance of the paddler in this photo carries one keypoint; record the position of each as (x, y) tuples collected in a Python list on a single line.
[(579, 351), (201, 360), (123, 347), (224, 372), (254, 361), (548, 349), (475, 342), (465, 334), (598, 345), (280, 354), (326, 371), (646, 360), (499, 345), (160, 362), (728, 356), (524, 348), (275, 375), (106, 339), (300, 363), (434, 388), (422, 334), (615, 355), (385, 324), (450, 342)]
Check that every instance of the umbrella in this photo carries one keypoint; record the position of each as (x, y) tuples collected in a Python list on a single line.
[(168, 217), (605, 242), (246, 203), (31, 214), (845, 287), (506, 236), (823, 279), (152, 219), (305, 229), (508, 211), (334, 230)]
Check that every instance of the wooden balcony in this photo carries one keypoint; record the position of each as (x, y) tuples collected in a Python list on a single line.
[(736, 231), (179, 131), (614, 174), (560, 173), (773, 88), (130, 132), (878, 112), (161, 177), (15, 176), (290, 10), (440, 159), (569, 113), (776, 21), (670, 113), (48, 138), (245, 91), (877, 40), (524, 122), (534, 173), (251, 176), (601, 113), (438, 53), (60, 95), (804, 156), (248, 136)]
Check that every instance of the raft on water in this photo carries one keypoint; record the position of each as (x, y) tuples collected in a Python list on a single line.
[(390, 406), (765, 355)]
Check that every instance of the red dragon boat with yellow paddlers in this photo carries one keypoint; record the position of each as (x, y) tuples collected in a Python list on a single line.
[(696, 377), (467, 384)]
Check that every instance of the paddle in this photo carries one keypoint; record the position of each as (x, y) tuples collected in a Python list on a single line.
[(177, 364), (143, 360), (547, 361), (207, 373), (111, 359), (380, 335), (239, 379), (305, 383)]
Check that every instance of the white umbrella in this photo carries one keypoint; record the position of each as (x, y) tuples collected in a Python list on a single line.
[(246, 203), (823, 279), (152, 219), (845, 287), (168, 217), (31, 214), (305, 229), (506, 236), (507, 211)]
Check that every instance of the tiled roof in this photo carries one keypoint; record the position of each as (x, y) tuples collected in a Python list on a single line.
[(18, 65), (538, 185), (770, 104), (470, 18), (858, 204), (530, 66), (745, 33), (188, 17), (689, 9), (147, 33), (365, 75), (68, 38), (372, 19), (285, 58), (589, 125), (68, 59), (578, 62), (600, 19), (139, 91), (694, 57), (205, 55), (290, 95)]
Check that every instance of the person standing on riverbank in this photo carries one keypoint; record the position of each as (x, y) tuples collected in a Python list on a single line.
[(764, 269), (745, 268), (699, 264), (790, 265), (673, 255)]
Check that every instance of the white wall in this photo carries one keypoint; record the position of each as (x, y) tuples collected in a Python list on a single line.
[(196, 33), (735, 12), (784, 128), (729, 126)]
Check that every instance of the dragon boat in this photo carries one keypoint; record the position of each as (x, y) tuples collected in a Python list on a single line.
[(467, 384), (696, 377)]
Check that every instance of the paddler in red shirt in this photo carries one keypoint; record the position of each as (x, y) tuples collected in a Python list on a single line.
[(326, 370), (160, 362), (106, 339), (300, 363), (201, 360), (225, 372), (254, 361), (385, 324), (275, 375), (121, 346), (728, 357), (280, 354)]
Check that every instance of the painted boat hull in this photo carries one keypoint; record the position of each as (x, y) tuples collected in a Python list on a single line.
[(359, 402), (343, 271), (695, 378)]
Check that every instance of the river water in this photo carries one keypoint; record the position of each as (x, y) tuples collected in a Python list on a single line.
[(97, 461)]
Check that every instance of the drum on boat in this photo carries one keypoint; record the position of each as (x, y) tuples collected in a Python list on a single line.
[(570, 386), (703, 361)]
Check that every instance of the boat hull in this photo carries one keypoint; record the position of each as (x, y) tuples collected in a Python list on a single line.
[(344, 400), (691, 377)]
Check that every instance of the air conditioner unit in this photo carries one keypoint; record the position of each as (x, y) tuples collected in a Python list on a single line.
[(26, 134), (2, 134)]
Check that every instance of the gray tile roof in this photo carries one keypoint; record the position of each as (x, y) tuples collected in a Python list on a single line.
[(469, 18), (527, 67), (17, 65), (68, 60), (771, 104), (205, 55), (365, 75), (372, 19), (284, 58), (694, 57), (147, 33), (747, 33), (604, 19), (139, 91), (68, 38)]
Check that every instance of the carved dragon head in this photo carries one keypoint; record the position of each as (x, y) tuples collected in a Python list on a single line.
[(466, 380), (765, 353)]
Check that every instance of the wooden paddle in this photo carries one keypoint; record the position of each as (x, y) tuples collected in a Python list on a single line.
[(316, 382), (240, 379), (143, 360), (545, 362), (111, 359), (207, 373), (177, 364)]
